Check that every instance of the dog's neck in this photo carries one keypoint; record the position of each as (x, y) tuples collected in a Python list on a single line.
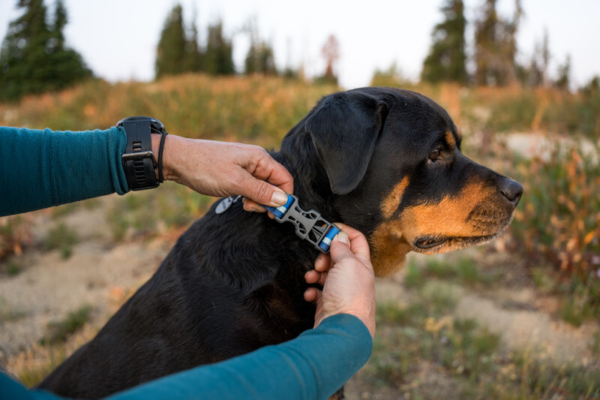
[(311, 184)]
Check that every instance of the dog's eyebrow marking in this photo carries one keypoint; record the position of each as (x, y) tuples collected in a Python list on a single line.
[(450, 140), (391, 203)]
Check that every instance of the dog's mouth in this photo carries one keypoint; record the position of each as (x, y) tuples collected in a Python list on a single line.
[(429, 242), (432, 245)]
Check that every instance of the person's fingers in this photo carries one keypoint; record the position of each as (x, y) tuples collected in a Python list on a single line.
[(261, 192), (252, 206), (358, 242), (323, 263), (312, 294), (273, 172), (312, 276)]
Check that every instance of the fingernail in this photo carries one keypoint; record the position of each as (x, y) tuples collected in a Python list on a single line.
[(279, 198), (342, 237)]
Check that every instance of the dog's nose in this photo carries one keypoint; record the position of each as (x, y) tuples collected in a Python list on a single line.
[(512, 190)]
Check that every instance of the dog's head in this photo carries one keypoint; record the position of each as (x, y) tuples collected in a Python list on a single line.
[(396, 172)]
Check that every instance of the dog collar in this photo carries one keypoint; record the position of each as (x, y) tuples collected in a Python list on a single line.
[(310, 226)]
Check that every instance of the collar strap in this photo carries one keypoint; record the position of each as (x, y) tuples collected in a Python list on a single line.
[(310, 226)]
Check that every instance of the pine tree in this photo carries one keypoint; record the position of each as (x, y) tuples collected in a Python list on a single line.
[(447, 57), (193, 56), (171, 53), (260, 58), (496, 45), (219, 52), (564, 75), (34, 58)]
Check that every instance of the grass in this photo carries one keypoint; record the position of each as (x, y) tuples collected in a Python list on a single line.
[(60, 330), (463, 271), (151, 212), (8, 312), (32, 375), (12, 266), (61, 238), (417, 337)]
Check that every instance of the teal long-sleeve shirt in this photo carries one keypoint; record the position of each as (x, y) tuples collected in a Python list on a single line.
[(40, 169), (312, 366)]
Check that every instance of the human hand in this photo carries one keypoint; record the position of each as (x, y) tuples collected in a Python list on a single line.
[(347, 277), (225, 169)]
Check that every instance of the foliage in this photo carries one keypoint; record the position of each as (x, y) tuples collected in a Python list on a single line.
[(331, 53), (260, 59), (560, 219), (34, 58), (60, 330), (176, 53), (219, 52), (61, 238), (15, 235), (495, 45), (171, 54), (197, 106), (447, 57)]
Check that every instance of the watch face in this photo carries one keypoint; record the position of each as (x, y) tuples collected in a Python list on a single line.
[(155, 125)]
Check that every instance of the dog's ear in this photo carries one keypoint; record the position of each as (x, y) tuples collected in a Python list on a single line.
[(344, 129)]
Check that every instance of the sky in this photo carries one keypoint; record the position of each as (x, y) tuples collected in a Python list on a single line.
[(118, 38)]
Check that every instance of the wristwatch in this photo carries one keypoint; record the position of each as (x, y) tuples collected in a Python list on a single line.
[(139, 161)]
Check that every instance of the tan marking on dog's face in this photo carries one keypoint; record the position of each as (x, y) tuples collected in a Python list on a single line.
[(388, 248), (448, 217), (454, 217), (392, 201), (450, 140)]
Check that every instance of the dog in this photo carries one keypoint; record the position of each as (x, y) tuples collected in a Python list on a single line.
[(384, 161)]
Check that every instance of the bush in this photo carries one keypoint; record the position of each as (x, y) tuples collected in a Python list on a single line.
[(15, 234), (560, 222)]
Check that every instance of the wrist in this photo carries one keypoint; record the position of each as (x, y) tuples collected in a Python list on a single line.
[(167, 169)]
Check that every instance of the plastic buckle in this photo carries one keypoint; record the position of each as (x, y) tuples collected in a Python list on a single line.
[(309, 225)]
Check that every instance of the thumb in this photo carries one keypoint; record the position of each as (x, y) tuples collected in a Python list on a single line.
[(263, 193), (340, 248)]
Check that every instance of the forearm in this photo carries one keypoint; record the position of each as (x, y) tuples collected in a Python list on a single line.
[(39, 169), (312, 366)]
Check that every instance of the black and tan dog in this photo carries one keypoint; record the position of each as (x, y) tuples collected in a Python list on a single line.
[(382, 160)]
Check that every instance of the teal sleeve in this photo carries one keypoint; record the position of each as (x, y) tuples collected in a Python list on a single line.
[(43, 168), (313, 366)]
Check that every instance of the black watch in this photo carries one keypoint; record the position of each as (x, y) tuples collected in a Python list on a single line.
[(139, 161)]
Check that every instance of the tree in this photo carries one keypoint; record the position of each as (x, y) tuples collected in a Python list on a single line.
[(194, 59), (260, 58), (171, 54), (496, 45), (219, 52), (447, 57), (331, 53), (564, 75), (34, 57)]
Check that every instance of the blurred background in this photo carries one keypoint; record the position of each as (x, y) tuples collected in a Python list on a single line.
[(515, 319)]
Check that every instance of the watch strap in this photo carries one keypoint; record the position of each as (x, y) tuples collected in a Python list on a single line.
[(138, 160)]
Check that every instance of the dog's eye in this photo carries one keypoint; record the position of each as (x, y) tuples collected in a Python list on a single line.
[(435, 155)]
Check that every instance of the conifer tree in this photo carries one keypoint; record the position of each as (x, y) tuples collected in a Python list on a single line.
[(193, 56), (447, 57), (219, 52), (34, 58), (171, 53), (260, 58), (496, 45), (564, 75)]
